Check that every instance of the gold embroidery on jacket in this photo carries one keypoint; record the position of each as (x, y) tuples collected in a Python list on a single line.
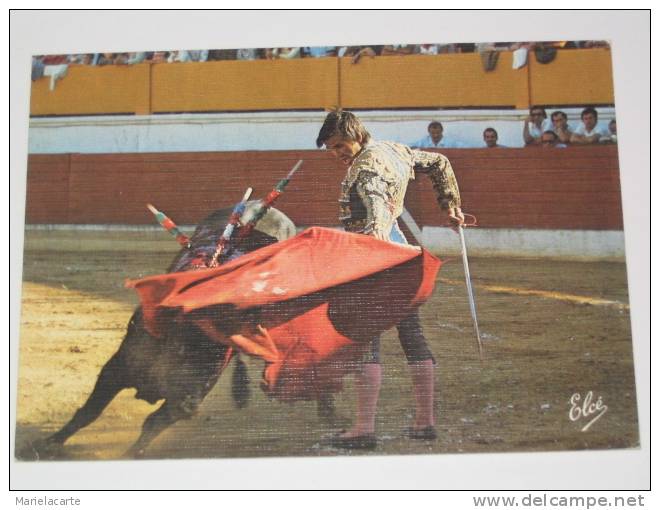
[(378, 179)]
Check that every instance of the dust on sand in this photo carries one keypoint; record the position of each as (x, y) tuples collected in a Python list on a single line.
[(540, 351)]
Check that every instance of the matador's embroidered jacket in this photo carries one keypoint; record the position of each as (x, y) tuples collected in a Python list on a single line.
[(375, 185)]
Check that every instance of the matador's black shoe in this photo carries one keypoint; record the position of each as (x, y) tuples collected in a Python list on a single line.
[(363, 442), (424, 434)]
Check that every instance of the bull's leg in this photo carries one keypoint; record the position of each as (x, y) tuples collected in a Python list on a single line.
[(166, 415), (155, 423), (109, 383), (173, 410)]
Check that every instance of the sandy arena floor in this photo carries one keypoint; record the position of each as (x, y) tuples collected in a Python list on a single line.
[(543, 344)]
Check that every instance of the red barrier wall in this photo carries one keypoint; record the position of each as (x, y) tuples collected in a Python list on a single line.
[(573, 188)]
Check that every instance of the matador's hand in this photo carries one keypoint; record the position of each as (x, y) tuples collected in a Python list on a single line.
[(456, 218), (380, 234)]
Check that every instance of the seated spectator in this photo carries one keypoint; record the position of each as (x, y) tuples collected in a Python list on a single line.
[(189, 56), (37, 67), (397, 50), (427, 49), (136, 58), (247, 54), (490, 138), (81, 59), (320, 51), (589, 131), (198, 55), (215, 55), (612, 127), (549, 139), (594, 44), (435, 138), (536, 123), (448, 48), (503, 46), (158, 57), (357, 52), (488, 55), (528, 45), (562, 45), (285, 53), (466, 47), (269, 53), (121, 59), (288, 53), (104, 59), (560, 126)]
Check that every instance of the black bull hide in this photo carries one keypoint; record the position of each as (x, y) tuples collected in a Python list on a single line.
[(185, 365)]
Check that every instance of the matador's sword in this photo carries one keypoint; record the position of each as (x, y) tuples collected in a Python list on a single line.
[(417, 233)]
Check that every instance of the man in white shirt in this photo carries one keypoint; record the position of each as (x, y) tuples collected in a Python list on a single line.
[(435, 138), (535, 125), (589, 131), (490, 138), (560, 126)]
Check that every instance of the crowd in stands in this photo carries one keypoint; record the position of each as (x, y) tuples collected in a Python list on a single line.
[(355, 52), (537, 130)]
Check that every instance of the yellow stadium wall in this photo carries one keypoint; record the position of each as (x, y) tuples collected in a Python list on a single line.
[(575, 77)]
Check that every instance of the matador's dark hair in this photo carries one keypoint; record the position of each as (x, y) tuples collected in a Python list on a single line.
[(345, 124)]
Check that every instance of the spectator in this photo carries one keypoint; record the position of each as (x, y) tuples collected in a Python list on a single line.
[(216, 55), (189, 56), (427, 49), (288, 53), (81, 59), (247, 54), (466, 47), (560, 126), (589, 131), (536, 123), (612, 128), (320, 51), (489, 55), (448, 48), (120, 59), (398, 50), (136, 58), (158, 57), (490, 138), (528, 45), (270, 53), (594, 44), (37, 67), (549, 139), (199, 55), (105, 59), (285, 53), (435, 138), (563, 45), (357, 52)]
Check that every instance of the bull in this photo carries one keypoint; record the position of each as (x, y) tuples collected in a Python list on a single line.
[(182, 367)]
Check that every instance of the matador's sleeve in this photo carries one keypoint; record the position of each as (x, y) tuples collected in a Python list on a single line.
[(377, 198), (439, 170)]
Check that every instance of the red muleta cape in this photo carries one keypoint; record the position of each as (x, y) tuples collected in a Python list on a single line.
[(307, 306)]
